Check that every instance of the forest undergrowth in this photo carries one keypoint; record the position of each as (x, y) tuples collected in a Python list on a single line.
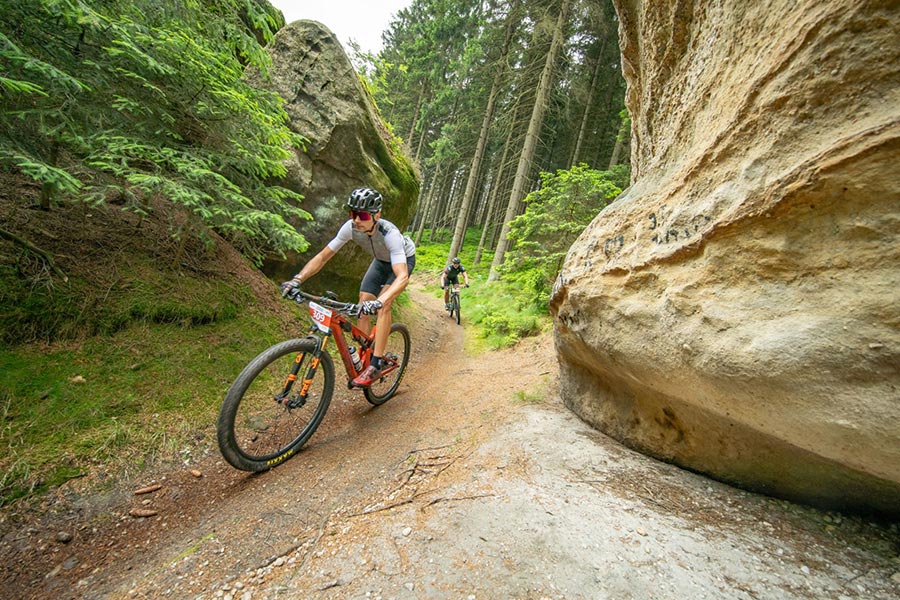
[(111, 358), (499, 313)]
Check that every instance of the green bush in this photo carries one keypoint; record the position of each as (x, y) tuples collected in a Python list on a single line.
[(555, 216)]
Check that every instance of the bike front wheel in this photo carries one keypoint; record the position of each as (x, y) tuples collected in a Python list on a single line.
[(455, 309), (260, 425), (396, 354)]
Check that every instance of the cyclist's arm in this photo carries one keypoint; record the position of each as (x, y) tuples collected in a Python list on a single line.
[(466, 277), (315, 264), (344, 235)]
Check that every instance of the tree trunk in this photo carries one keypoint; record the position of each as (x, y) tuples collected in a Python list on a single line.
[(440, 208), (459, 231), (576, 155), (415, 117), (531, 138), (422, 135), (620, 137), (429, 203), (487, 225), (498, 184), (609, 121)]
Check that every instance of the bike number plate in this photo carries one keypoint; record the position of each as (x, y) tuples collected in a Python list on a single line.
[(321, 316)]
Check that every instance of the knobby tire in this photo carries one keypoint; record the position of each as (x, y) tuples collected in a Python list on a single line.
[(256, 432), (455, 309), (398, 346)]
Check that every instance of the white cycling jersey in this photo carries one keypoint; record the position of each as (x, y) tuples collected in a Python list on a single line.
[(386, 243)]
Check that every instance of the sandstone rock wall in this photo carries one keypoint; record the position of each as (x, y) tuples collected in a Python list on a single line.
[(347, 148), (737, 310)]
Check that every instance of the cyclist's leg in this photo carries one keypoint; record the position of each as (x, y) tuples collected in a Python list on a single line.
[(384, 315), (369, 289), (378, 275)]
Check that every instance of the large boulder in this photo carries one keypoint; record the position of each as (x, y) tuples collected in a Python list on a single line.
[(348, 147), (737, 310)]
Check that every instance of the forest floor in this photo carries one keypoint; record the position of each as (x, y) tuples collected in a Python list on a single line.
[(473, 482)]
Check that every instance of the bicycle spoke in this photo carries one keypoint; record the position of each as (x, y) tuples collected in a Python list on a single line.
[(397, 354), (264, 420), (264, 426)]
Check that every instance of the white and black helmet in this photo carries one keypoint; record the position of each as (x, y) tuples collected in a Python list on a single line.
[(365, 199)]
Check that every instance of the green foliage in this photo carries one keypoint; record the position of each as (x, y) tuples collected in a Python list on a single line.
[(501, 318), (422, 67), (109, 99), (432, 257), (554, 217), (500, 313), (620, 175), (459, 79)]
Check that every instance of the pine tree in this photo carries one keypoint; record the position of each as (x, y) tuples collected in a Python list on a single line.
[(115, 99)]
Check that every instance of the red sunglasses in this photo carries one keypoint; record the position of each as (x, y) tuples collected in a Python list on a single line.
[(361, 215)]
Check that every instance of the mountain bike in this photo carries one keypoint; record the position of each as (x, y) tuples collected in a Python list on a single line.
[(454, 302), (280, 398)]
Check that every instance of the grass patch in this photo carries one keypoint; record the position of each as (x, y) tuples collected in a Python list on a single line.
[(499, 313), (123, 400), (531, 398), (120, 403), (35, 310)]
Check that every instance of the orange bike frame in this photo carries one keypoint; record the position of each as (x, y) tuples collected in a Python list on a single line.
[(326, 320)]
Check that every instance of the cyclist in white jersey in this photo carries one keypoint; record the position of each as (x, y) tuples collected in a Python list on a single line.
[(394, 257)]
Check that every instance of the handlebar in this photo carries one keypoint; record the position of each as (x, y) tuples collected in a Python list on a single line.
[(328, 300)]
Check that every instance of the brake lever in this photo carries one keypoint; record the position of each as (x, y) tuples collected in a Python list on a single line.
[(296, 296)]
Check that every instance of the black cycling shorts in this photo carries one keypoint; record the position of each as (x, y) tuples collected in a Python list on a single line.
[(381, 274)]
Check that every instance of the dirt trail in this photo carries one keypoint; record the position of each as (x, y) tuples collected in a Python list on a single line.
[(473, 482)]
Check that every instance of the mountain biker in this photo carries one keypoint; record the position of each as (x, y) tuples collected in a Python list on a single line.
[(394, 257), (450, 275)]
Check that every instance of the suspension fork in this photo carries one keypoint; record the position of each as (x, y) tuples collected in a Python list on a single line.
[(300, 399)]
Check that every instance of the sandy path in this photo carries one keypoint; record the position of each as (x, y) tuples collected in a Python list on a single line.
[(473, 481)]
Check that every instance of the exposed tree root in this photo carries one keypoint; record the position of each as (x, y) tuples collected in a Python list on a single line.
[(8, 235)]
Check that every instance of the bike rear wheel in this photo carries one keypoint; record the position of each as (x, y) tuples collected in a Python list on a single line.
[(259, 427), (455, 308), (397, 355)]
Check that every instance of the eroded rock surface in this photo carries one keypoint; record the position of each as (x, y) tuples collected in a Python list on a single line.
[(737, 310), (347, 148)]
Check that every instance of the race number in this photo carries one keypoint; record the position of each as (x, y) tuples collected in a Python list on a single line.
[(321, 316)]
